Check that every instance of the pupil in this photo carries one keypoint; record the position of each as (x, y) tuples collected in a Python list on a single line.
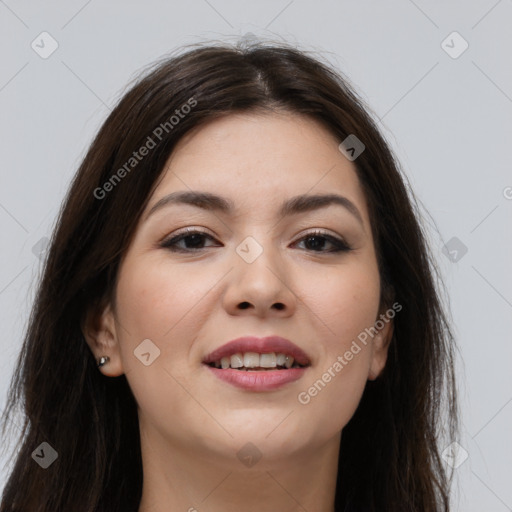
[(319, 242), (196, 239)]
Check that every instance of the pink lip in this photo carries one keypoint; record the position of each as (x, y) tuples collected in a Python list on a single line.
[(265, 380), (260, 346)]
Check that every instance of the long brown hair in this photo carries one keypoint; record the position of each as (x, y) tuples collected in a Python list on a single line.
[(389, 455)]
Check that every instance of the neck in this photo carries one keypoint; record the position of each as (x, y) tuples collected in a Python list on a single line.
[(185, 478)]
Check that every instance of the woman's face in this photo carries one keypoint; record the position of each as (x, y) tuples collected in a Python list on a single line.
[(254, 272)]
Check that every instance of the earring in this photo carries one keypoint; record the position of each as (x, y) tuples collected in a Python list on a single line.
[(103, 360)]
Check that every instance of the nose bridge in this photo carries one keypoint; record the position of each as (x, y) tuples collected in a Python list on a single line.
[(260, 277), (252, 247), (255, 253)]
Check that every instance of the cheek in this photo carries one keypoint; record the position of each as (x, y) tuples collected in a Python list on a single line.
[(346, 306), (156, 302), (166, 304), (154, 298), (345, 302)]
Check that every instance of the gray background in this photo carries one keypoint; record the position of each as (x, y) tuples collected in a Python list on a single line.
[(448, 119)]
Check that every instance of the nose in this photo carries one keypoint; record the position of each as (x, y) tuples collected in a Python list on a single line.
[(261, 286)]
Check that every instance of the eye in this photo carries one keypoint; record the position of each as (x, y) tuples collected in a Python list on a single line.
[(317, 240), (194, 237), (194, 240)]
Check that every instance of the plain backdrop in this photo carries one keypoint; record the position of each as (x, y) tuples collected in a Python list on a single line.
[(436, 73)]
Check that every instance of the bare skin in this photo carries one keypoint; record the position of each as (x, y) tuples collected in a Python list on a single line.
[(190, 303)]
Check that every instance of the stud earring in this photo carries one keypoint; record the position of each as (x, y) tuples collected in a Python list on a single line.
[(103, 360)]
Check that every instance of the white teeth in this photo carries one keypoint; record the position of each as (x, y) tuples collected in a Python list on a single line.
[(251, 359), (268, 360), (288, 362), (237, 360), (280, 359), (254, 360)]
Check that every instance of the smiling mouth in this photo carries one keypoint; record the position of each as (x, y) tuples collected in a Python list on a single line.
[(254, 362)]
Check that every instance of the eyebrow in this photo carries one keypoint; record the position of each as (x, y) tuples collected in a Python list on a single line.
[(293, 206)]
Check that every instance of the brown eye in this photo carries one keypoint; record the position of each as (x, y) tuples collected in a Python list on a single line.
[(192, 239), (316, 241)]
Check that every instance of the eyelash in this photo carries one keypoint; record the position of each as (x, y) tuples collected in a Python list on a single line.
[(170, 243)]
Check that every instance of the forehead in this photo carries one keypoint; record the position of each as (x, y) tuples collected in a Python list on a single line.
[(258, 159)]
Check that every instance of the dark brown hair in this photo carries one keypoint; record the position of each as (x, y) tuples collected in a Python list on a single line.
[(389, 456)]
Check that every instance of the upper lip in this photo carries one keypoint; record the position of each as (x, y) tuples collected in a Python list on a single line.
[(266, 345)]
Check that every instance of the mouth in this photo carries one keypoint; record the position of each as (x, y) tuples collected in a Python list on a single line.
[(258, 364), (254, 362), (259, 378), (250, 353)]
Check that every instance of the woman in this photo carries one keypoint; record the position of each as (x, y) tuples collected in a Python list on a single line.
[(195, 345)]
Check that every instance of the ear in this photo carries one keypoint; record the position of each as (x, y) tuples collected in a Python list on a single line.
[(380, 345), (99, 330)]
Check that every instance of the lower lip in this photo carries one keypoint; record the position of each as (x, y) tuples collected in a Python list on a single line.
[(264, 380)]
